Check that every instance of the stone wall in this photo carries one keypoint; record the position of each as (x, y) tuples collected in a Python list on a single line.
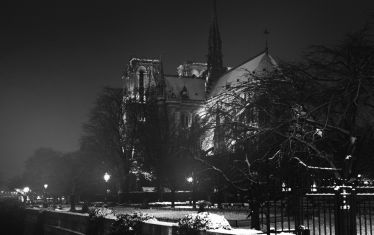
[(42, 222), (51, 222)]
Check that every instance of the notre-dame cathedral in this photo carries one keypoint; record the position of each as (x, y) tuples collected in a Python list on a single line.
[(194, 83)]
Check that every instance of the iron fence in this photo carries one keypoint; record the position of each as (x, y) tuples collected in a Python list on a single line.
[(340, 210)]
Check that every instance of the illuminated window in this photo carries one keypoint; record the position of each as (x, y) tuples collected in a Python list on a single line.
[(186, 119)]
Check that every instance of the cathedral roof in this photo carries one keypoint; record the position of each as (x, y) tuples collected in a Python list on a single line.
[(195, 88), (255, 66)]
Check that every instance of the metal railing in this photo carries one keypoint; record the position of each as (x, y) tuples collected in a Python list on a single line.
[(343, 210)]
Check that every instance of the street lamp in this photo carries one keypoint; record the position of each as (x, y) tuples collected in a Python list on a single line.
[(106, 179), (45, 204), (25, 190), (191, 180)]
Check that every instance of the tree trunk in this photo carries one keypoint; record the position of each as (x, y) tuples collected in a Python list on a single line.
[(72, 203), (123, 182), (255, 214), (160, 192), (72, 198), (172, 197)]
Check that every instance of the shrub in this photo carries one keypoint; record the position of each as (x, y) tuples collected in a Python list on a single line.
[(96, 219), (101, 212), (129, 224), (203, 221)]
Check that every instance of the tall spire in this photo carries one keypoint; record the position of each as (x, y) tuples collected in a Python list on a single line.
[(215, 63)]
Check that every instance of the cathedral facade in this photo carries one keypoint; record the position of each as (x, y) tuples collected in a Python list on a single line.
[(180, 96)]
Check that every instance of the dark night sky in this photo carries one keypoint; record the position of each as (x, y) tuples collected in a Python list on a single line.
[(55, 56)]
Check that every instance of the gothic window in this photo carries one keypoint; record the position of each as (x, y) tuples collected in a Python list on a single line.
[(141, 85), (177, 118), (186, 120)]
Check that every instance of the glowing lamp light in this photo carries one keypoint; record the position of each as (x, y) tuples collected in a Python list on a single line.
[(106, 177), (313, 188), (189, 179), (45, 186), (285, 188)]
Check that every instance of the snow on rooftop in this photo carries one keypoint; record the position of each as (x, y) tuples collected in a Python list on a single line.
[(143, 60), (243, 72)]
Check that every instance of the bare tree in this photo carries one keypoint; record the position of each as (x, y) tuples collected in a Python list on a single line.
[(344, 77), (307, 116), (103, 138)]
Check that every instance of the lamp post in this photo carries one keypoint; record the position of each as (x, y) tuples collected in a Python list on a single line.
[(45, 203), (106, 179), (191, 180), (25, 190)]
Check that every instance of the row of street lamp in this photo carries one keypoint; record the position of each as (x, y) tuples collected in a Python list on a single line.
[(106, 178), (27, 189)]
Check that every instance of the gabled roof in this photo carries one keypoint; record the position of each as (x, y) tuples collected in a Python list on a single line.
[(195, 88), (261, 63)]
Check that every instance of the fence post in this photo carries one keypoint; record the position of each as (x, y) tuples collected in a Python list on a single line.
[(255, 214), (268, 217), (353, 211), (298, 207), (345, 214)]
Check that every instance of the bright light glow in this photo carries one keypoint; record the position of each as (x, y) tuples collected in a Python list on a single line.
[(26, 189), (45, 186), (106, 177), (189, 179), (285, 188), (314, 187)]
